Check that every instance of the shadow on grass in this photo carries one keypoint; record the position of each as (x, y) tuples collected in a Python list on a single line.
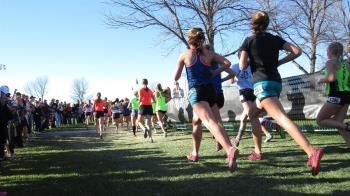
[(89, 166)]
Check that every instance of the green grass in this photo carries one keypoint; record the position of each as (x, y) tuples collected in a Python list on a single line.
[(120, 164)]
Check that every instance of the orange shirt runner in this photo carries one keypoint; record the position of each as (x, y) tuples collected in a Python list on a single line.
[(99, 106), (145, 96)]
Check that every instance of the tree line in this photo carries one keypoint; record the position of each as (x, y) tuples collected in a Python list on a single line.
[(39, 88), (310, 24)]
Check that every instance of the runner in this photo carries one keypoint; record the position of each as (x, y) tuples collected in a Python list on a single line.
[(134, 106), (145, 109), (87, 112), (116, 113), (105, 112), (219, 100), (197, 61), (98, 109), (244, 81), (336, 78), (126, 113), (161, 107), (262, 48)]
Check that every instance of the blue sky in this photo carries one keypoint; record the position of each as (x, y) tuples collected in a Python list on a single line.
[(68, 39)]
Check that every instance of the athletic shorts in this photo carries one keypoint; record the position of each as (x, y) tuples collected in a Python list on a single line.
[(134, 113), (99, 114), (265, 89), (146, 110), (339, 98), (88, 114), (202, 93), (105, 111), (220, 100), (246, 94), (116, 115)]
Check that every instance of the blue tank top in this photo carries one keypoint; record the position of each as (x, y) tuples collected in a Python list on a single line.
[(216, 80), (198, 73), (126, 109)]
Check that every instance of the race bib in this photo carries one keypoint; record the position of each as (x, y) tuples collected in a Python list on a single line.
[(258, 89), (334, 100)]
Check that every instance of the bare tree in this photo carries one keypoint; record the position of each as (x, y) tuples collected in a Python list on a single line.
[(80, 88), (175, 17), (38, 87), (340, 22), (306, 24), (310, 26)]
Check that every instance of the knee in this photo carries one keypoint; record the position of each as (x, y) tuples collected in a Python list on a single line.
[(196, 122)]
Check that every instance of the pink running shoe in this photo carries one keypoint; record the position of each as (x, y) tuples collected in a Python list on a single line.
[(218, 146), (192, 158), (314, 161), (255, 156), (232, 157)]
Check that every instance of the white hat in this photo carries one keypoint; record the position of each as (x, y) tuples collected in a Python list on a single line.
[(5, 89)]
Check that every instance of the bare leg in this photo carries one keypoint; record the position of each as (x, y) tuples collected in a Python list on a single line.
[(160, 119), (196, 134), (140, 121), (148, 125), (100, 122), (324, 116), (97, 125), (345, 134), (253, 113), (133, 124), (242, 125), (339, 114), (205, 113), (276, 111)]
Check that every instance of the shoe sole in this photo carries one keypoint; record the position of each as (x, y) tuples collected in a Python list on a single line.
[(252, 159), (232, 165), (192, 160), (316, 168)]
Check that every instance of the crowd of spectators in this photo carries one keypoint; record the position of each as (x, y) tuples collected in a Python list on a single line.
[(21, 115)]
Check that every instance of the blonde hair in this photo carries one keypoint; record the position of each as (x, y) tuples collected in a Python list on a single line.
[(336, 49), (196, 37), (260, 21)]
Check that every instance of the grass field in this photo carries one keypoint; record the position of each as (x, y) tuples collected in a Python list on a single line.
[(78, 163)]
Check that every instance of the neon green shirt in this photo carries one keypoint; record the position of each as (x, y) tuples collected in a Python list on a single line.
[(135, 103), (160, 103), (341, 82)]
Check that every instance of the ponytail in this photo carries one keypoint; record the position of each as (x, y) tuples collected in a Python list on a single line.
[(145, 82), (196, 38)]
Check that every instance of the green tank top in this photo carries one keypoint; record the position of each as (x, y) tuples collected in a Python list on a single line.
[(154, 107), (160, 103), (341, 82), (135, 103)]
